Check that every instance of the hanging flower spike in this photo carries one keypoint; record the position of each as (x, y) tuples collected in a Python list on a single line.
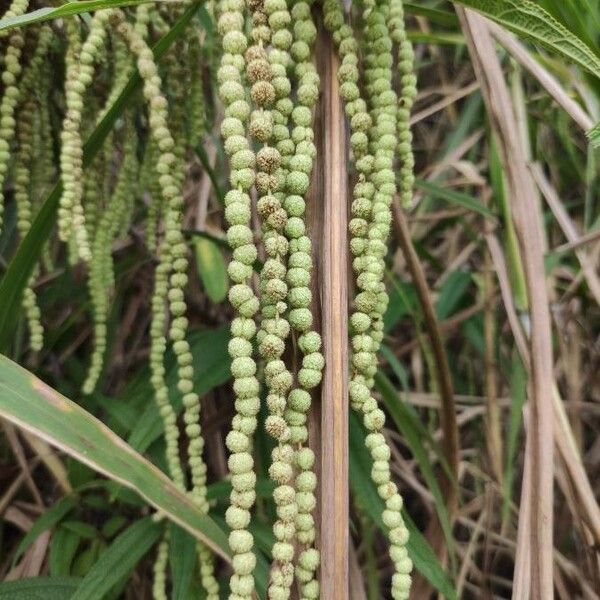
[(10, 99), (241, 296), (80, 70), (173, 261)]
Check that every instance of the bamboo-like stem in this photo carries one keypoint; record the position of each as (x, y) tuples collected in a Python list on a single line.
[(493, 419), (444, 384), (538, 521), (442, 370), (331, 246)]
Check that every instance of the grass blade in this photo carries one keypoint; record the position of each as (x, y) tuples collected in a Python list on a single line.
[(67, 10), (119, 559), (46, 520), (182, 558), (36, 407), (454, 197), (39, 588)]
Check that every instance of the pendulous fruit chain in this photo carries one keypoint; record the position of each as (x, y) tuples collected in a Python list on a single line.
[(261, 62)]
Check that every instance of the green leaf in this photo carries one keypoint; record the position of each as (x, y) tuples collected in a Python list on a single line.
[(86, 559), (454, 197), (83, 530), (528, 19), (65, 10), (365, 492), (47, 519), (119, 559), (594, 135), (212, 269), (435, 15), (518, 389), (182, 558), (28, 253), (36, 407), (452, 292), (63, 547), (39, 588)]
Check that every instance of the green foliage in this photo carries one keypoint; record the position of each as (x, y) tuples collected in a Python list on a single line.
[(530, 20), (31, 404), (68, 9), (39, 588), (118, 560)]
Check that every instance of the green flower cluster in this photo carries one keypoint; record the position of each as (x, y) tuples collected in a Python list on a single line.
[(22, 184), (79, 73), (268, 86), (280, 171), (408, 93), (28, 131), (300, 265), (101, 276), (271, 19), (241, 294), (10, 75), (170, 281)]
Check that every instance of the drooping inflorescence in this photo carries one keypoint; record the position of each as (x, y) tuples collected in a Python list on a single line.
[(300, 265), (170, 280), (101, 276), (24, 181), (79, 73), (22, 185), (241, 295), (10, 75), (269, 84), (138, 187), (408, 92)]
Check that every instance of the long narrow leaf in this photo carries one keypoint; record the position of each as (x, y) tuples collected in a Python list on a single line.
[(45, 521), (36, 407), (39, 588), (67, 10), (119, 559), (182, 558), (454, 197)]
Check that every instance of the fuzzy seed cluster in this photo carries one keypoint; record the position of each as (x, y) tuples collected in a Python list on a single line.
[(270, 89), (10, 75), (79, 74), (170, 281), (300, 266), (241, 295), (408, 93)]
